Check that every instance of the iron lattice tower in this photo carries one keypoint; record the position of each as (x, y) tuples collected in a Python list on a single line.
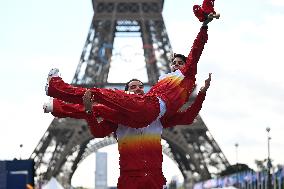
[(67, 141)]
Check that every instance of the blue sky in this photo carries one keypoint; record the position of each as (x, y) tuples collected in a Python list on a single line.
[(244, 53)]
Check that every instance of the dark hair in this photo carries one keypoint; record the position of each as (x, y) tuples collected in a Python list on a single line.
[(179, 56), (127, 84)]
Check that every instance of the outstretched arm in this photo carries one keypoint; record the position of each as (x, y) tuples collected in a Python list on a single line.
[(205, 14), (190, 68), (187, 117)]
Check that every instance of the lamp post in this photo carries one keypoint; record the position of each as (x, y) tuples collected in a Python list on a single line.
[(21, 146), (236, 145), (269, 165), (237, 166)]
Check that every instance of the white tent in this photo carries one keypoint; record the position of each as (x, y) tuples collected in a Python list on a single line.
[(52, 184)]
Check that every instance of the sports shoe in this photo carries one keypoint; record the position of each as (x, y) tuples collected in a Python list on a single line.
[(48, 106), (54, 72)]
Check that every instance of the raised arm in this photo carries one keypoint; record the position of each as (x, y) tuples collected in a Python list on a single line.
[(187, 117), (190, 68), (205, 14)]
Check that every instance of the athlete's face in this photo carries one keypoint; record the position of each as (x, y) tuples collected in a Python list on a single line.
[(176, 64), (136, 87)]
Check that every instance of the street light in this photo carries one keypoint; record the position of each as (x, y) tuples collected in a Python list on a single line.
[(269, 165), (21, 146), (236, 145), (237, 166)]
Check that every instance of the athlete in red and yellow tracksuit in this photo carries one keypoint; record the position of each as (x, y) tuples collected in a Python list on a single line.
[(163, 100), (139, 148)]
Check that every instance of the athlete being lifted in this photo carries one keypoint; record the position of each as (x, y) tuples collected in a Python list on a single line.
[(163, 100)]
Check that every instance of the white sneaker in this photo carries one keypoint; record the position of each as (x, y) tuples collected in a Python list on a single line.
[(48, 106), (54, 72)]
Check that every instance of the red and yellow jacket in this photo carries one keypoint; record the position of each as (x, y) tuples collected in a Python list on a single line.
[(140, 148)]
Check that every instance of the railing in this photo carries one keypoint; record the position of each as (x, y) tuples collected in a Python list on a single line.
[(245, 180)]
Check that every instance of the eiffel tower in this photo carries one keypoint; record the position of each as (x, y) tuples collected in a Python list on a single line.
[(67, 142)]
